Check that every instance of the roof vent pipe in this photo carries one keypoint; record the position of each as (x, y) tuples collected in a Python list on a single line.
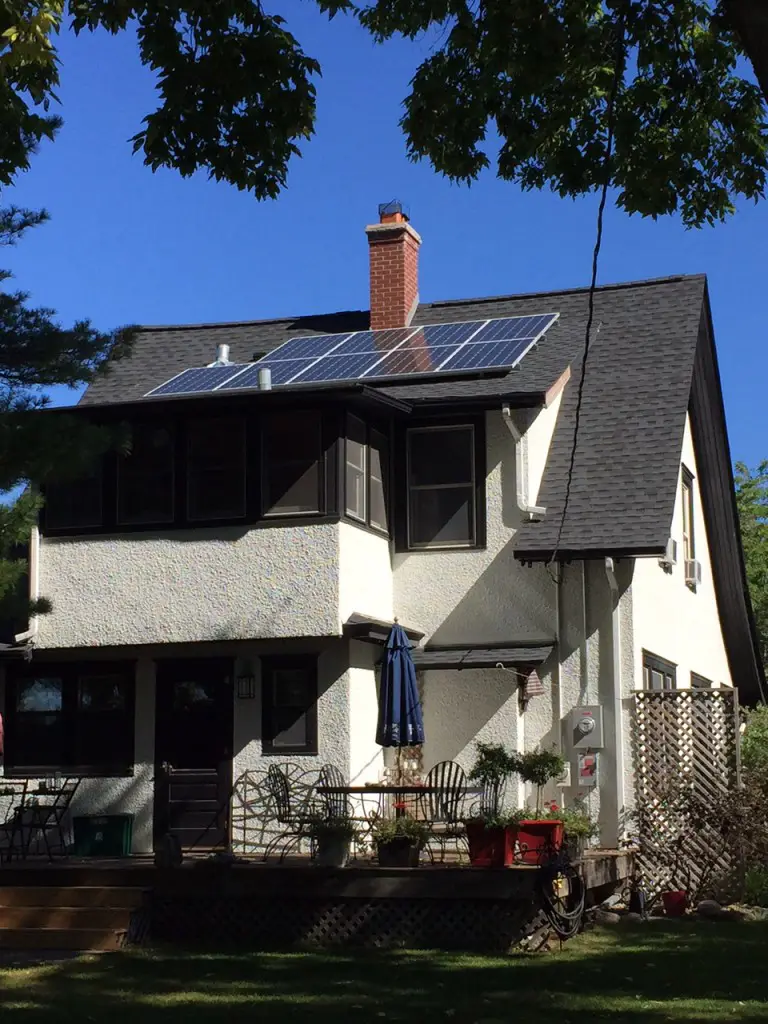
[(532, 513), (265, 379), (222, 355)]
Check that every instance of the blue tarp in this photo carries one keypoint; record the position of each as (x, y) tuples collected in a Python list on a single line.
[(400, 720)]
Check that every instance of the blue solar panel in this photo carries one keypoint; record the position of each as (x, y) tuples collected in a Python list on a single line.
[(447, 334), (375, 341), (487, 355), (308, 347), (343, 367), (204, 378), (515, 327), (282, 371), (407, 360)]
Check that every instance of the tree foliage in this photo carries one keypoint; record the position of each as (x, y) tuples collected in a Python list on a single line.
[(752, 503)]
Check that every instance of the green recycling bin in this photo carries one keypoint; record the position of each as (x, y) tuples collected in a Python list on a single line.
[(104, 835)]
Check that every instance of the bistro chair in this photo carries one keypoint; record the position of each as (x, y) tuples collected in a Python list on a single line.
[(11, 827), (46, 819), (441, 805), (295, 820), (333, 805)]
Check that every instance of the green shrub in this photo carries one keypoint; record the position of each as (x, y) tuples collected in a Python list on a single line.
[(385, 830), (754, 742), (756, 887)]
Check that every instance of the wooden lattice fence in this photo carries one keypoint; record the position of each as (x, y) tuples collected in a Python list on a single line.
[(686, 755)]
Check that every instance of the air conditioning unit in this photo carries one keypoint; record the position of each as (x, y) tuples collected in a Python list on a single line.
[(669, 558), (693, 572)]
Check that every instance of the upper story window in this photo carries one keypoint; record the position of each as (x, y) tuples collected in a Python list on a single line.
[(441, 487), (366, 474), (658, 674), (216, 468), (292, 476), (75, 504), (145, 477), (689, 548)]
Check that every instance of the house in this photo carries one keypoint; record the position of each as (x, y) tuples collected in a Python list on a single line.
[(220, 593)]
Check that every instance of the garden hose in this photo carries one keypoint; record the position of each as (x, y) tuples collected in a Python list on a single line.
[(566, 922)]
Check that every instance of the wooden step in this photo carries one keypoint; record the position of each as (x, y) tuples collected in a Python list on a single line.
[(88, 918), (82, 939), (70, 896)]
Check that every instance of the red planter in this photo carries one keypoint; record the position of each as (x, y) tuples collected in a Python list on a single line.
[(488, 847), (675, 902), (531, 842)]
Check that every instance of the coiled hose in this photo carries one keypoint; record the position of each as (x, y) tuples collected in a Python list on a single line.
[(565, 914)]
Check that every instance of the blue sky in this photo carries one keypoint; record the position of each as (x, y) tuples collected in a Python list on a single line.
[(128, 246)]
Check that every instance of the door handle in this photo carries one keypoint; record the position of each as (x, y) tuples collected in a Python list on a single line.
[(167, 767)]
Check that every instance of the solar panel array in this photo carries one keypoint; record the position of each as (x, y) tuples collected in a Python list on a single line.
[(470, 347)]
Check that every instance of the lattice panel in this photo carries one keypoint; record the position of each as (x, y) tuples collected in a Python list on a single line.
[(689, 737), (466, 924)]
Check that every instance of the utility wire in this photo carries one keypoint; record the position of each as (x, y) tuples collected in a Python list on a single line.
[(611, 121)]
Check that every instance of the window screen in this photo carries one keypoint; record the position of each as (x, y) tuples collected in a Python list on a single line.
[(216, 469), (441, 487), (145, 477), (292, 452)]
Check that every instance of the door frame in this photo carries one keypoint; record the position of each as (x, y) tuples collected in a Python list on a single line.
[(168, 670)]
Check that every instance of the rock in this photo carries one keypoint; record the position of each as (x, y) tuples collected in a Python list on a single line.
[(632, 918), (711, 909), (606, 917)]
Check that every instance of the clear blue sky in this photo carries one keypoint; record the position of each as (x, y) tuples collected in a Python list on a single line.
[(128, 246)]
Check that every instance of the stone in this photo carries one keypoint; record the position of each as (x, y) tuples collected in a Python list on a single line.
[(711, 908), (606, 917), (633, 918)]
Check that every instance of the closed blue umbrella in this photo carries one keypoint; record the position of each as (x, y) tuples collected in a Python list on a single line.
[(400, 720)]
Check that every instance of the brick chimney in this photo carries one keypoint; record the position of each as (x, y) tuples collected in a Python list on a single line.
[(394, 254)]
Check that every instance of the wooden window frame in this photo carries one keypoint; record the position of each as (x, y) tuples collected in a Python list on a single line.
[(157, 424), (653, 663), (402, 501), (270, 664), (71, 674), (369, 429), (699, 682), (688, 506)]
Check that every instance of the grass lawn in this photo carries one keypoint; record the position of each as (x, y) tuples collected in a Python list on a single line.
[(649, 973)]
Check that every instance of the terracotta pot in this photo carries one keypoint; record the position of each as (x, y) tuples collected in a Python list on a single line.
[(675, 901), (488, 847), (399, 853), (534, 841)]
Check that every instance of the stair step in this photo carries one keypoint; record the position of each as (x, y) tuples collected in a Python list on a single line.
[(88, 918), (69, 896), (60, 938)]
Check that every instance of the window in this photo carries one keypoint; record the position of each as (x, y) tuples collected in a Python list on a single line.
[(689, 549), (292, 454), (658, 674), (216, 468), (289, 705), (700, 682), (145, 478), (77, 718), (70, 504), (367, 474), (441, 487), (357, 469)]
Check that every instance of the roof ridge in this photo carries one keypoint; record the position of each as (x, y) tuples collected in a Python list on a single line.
[(250, 323)]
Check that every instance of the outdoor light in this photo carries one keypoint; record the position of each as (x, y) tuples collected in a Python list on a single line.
[(246, 686)]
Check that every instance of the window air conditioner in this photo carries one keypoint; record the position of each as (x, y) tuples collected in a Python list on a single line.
[(693, 572), (669, 558)]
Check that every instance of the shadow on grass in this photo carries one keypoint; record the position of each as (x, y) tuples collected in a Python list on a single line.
[(652, 973)]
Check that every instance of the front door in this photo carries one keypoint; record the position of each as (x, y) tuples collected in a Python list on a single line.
[(193, 751)]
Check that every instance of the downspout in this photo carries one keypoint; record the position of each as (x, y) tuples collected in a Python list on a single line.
[(34, 587), (618, 729), (532, 513)]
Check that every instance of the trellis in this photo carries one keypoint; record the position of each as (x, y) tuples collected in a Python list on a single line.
[(690, 739)]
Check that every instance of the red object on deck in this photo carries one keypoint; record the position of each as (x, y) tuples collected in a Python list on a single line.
[(488, 847), (675, 902), (532, 841)]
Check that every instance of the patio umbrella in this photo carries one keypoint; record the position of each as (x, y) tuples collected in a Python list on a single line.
[(400, 720)]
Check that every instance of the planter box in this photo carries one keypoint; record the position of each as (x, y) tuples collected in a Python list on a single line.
[(533, 842), (675, 902), (399, 853), (488, 847), (108, 835), (332, 852)]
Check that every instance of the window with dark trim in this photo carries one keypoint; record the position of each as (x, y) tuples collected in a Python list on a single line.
[(700, 682), (292, 460), (70, 504), (658, 674), (145, 476), (441, 484), (366, 477), (689, 546), (289, 705), (216, 468), (71, 718)]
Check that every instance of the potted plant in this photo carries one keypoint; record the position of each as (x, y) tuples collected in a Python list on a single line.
[(332, 838), (578, 827), (533, 836), (399, 841), (487, 832)]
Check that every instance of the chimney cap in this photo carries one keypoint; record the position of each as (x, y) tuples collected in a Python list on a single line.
[(393, 212)]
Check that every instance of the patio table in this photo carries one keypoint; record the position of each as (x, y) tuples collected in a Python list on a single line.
[(391, 789)]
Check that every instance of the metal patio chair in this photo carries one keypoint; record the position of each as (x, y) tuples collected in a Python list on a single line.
[(333, 805), (11, 827), (442, 804), (45, 819), (295, 819)]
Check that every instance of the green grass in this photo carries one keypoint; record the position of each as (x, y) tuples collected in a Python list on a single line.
[(650, 973)]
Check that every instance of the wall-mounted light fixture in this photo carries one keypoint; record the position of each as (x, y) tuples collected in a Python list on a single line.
[(246, 684)]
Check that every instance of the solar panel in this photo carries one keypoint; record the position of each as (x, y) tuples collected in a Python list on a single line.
[(199, 380), (472, 346)]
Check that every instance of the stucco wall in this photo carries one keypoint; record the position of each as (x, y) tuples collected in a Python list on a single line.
[(365, 574), (672, 621), (366, 757), (213, 584), (480, 596)]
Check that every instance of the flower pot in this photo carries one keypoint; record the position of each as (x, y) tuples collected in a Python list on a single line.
[(488, 847), (399, 853), (534, 841), (332, 851), (675, 901)]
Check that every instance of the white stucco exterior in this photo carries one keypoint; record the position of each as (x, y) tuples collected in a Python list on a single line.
[(365, 574), (671, 620)]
